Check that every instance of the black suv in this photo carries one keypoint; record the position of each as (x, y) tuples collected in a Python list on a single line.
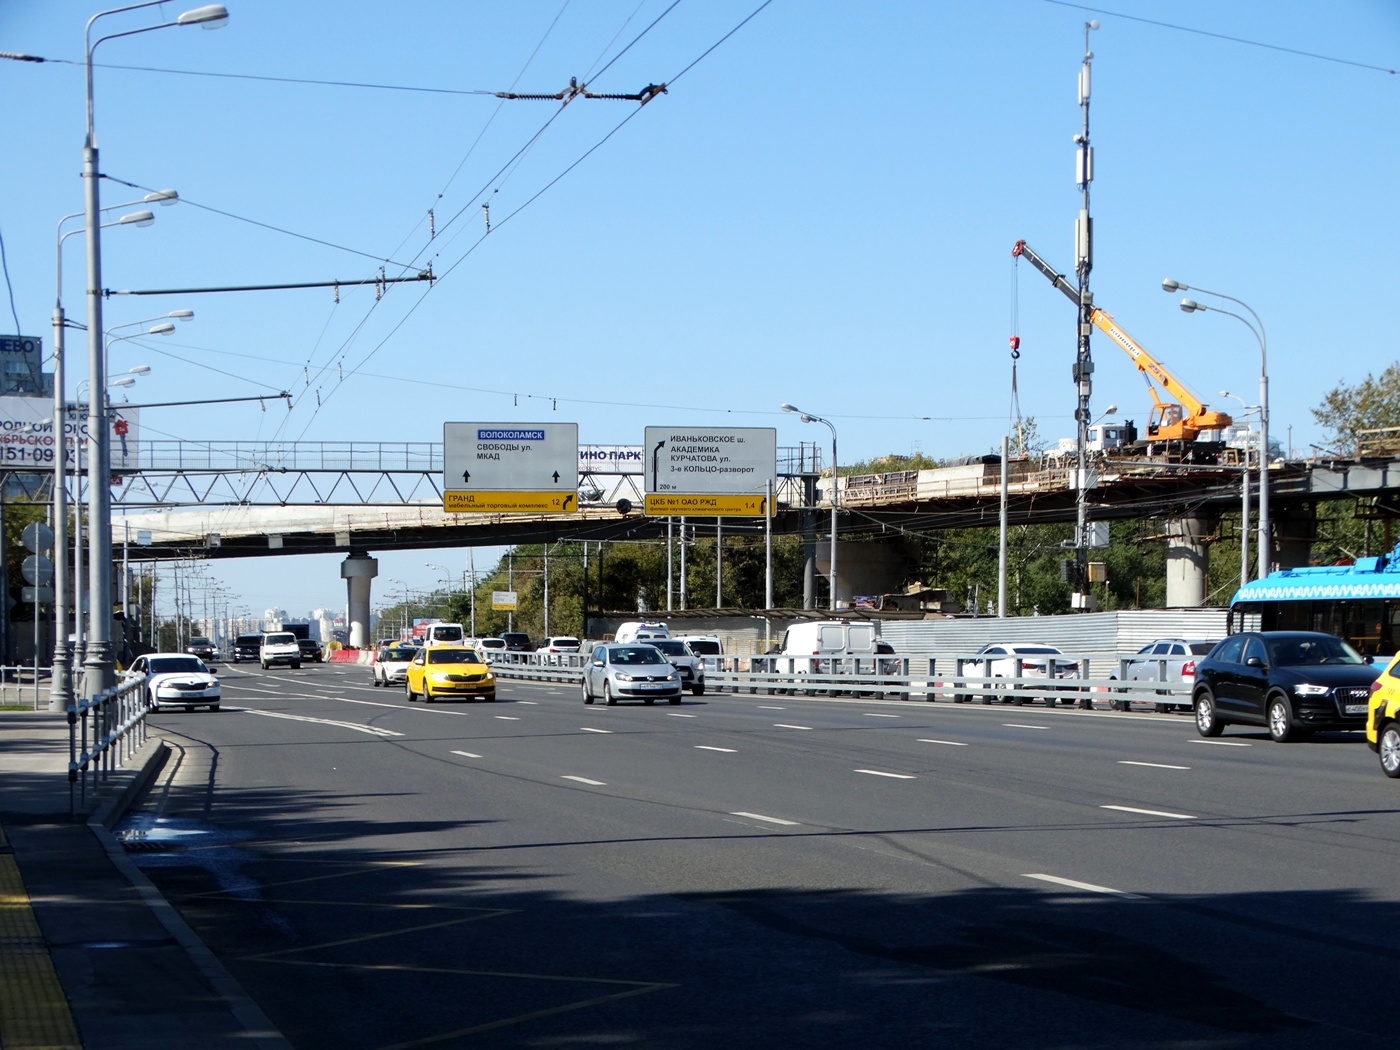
[(245, 647), (517, 642), (202, 648), (310, 649), (1290, 682)]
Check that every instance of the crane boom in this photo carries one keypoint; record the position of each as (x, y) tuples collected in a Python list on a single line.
[(1183, 419)]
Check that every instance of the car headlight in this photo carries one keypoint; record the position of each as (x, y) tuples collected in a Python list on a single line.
[(673, 677), (1312, 690), (623, 676)]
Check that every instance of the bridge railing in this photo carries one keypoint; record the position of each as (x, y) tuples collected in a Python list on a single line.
[(103, 732)]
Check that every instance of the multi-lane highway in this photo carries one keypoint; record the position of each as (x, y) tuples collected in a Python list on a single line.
[(772, 872)]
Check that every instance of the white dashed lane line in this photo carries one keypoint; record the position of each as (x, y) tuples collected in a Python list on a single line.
[(949, 743), (585, 729), (872, 714), (1150, 765), (506, 718), (706, 747), (881, 773), (780, 725), (677, 714), (585, 780), (466, 754), (1021, 725), (768, 820), (1087, 886), (1222, 743), (1150, 812)]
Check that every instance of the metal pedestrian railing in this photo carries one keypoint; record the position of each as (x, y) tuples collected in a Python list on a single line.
[(104, 731)]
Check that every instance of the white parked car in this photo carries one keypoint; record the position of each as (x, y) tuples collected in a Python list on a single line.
[(1019, 660), (683, 658), (177, 680)]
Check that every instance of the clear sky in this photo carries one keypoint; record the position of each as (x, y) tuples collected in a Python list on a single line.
[(820, 211)]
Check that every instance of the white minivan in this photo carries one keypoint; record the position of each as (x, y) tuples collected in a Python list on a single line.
[(809, 647), (641, 631)]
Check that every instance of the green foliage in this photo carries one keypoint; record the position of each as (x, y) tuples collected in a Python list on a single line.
[(1372, 403), (889, 464)]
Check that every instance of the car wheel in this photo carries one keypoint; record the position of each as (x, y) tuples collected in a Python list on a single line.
[(675, 700), (1389, 747), (587, 696), (213, 707), (374, 681), (189, 708), (1281, 729), (1207, 721), (296, 665), (608, 698), (409, 693), (264, 665), (427, 693), (648, 700), (698, 689)]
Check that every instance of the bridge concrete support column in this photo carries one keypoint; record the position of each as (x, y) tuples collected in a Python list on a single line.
[(357, 570), (1294, 527), (1187, 557)]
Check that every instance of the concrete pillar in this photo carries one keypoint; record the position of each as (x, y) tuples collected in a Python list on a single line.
[(357, 570), (1294, 526), (1187, 556)]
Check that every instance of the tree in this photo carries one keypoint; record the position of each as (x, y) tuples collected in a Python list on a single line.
[(1371, 404)]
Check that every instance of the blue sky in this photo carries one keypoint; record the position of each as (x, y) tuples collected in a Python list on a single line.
[(820, 211)]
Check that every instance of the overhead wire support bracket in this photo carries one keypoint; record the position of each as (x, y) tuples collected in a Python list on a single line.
[(577, 90), (378, 280)]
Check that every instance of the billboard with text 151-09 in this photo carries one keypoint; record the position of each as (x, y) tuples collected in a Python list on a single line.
[(710, 471), (510, 468)]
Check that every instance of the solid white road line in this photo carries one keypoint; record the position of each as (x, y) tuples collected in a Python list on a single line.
[(371, 730), (706, 747), (768, 820), (1019, 725), (585, 780), (780, 725), (1151, 765), (879, 773), (1223, 743), (1151, 812), (950, 743), (466, 754), (585, 729), (1088, 886)]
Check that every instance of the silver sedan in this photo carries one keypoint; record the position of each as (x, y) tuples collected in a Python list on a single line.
[(630, 672)]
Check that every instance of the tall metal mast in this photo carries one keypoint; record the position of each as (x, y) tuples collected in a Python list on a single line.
[(1083, 363)]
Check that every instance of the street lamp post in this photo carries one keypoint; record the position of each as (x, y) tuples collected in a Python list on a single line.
[(807, 417), (98, 661), (1244, 495), (1191, 306)]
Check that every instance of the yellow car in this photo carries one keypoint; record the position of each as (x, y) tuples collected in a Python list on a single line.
[(449, 671), (1383, 719)]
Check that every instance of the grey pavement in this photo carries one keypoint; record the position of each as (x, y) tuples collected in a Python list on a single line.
[(91, 955)]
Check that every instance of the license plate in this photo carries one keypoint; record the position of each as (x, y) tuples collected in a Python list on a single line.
[(651, 685), (1355, 709)]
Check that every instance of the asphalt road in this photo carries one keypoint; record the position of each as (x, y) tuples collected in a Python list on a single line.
[(772, 872)]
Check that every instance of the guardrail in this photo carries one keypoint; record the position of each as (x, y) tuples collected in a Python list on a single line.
[(103, 732), (888, 677)]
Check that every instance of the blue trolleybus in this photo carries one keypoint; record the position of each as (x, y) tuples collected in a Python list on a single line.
[(1358, 602)]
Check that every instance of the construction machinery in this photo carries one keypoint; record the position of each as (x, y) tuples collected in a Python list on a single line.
[(1175, 424)]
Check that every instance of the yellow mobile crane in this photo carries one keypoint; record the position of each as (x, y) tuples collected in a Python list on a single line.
[(1178, 421)]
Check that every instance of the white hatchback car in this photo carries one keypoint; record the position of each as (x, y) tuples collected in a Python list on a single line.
[(177, 680), (390, 665)]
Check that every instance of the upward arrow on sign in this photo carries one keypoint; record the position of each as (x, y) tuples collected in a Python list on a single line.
[(556, 477), (466, 477)]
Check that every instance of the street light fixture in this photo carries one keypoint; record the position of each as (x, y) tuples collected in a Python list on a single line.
[(807, 417), (99, 659), (1257, 328)]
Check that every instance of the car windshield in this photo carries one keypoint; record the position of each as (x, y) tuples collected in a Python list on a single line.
[(672, 648), (444, 633), (1304, 650), (453, 656), (281, 639), (641, 654), (1023, 649), (1200, 648), (177, 665), (402, 652)]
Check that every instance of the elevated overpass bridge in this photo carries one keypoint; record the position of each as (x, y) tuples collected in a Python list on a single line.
[(253, 499)]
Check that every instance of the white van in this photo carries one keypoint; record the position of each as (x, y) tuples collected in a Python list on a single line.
[(641, 631), (443, 634), (707, 647), (817, 641)]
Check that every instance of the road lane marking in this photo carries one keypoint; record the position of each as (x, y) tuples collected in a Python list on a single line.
[(1223, 743), (769, 707), (872, 714), (585, 780), (507, 718), (1021, 725), (1151, 812), (677, 714), (950, 743), (585, 729), (532, 703), (769, 820), (1088, 886), (780, 725), (466, 754), (880, 773), (706, 747), (1151, 765), (372, 730)]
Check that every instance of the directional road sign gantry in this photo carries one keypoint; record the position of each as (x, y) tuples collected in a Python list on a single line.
[(710, 471), (510, 468)]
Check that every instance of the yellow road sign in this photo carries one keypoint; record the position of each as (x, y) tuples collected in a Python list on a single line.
[(660, 504), (510, 502)]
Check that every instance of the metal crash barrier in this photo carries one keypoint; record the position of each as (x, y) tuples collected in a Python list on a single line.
[(899, 678), (103, 732)]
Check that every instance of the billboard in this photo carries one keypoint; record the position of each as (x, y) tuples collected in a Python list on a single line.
[(27, 438)]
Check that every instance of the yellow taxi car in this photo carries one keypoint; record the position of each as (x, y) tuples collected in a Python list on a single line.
[(1383, 718), (442, 671)]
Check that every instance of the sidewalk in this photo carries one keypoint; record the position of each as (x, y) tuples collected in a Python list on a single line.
[(91, 956)]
